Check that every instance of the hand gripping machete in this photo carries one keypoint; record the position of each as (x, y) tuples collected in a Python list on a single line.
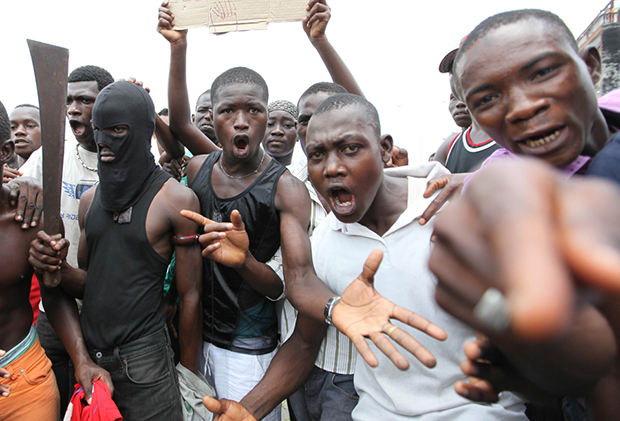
[(51, 64)]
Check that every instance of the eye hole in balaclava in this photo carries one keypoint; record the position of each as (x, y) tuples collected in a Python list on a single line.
[(121, 181)]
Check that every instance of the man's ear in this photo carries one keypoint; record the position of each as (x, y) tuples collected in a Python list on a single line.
[(193, 118), (387, 144), (593, 60), (7, 149)]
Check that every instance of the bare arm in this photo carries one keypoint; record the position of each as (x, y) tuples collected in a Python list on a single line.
[(289, 368), (362, 312), (188, 282), (314, 25), (61, 310), (178, 99), (166, 139), (228, 244), (48, 253)]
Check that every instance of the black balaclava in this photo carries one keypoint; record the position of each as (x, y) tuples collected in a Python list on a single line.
[(121, 181)]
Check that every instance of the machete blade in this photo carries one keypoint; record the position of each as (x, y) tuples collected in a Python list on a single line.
[(50, 69)]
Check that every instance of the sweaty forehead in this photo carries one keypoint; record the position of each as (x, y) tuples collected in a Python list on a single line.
[(504, 49), (329, 126), (25, 113), (89, 88), (240, 93)]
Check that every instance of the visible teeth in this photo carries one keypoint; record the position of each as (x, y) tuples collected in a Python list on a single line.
[(339, 203), (532, 143)]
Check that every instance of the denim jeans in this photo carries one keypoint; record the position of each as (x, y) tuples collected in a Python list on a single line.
[(61, 362), (329, 396), (146, 385)]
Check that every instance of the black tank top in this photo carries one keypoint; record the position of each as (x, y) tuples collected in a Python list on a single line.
[(465, 156), (236, 316), (123, 296)]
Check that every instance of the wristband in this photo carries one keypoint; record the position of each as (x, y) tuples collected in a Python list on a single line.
[(329, 309)]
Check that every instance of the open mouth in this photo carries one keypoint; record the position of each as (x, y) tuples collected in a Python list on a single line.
[(544, 138), (241, 144), (77, 127), (342, 201)]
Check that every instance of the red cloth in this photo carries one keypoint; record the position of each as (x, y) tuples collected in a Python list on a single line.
[(35, 298), (102, 407)]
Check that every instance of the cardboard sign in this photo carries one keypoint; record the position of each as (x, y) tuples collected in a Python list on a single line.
[(235, 15)]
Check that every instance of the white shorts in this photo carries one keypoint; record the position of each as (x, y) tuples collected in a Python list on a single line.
[(234, 375)]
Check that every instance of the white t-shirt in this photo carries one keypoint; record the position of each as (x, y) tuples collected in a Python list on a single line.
[(76, 179), (387, 393)]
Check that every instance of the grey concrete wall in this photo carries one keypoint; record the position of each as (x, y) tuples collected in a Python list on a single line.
[(611, 57)]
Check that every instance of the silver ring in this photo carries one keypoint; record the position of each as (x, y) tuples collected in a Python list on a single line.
[(492, 309)]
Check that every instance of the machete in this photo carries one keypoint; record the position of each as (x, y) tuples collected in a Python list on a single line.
[(51, 64)]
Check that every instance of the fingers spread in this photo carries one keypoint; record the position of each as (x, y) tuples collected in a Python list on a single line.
[(235, 218), (196, 217), (364, 350), (385, 346), (416, 321), (371, 266)]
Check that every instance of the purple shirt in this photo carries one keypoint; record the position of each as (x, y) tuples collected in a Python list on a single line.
[(568, 170)]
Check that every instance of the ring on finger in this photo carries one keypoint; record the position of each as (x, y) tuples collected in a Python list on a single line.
[(492, 309), (391, 330)]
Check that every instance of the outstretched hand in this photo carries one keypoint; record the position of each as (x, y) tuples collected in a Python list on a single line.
[(226, 410), (226, 243), (363, 312), (523, 230), (165, 25), (316, 20)]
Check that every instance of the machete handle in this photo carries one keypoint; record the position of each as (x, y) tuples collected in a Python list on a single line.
[(51, 279)]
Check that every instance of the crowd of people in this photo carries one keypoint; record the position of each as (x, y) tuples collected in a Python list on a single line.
[(212, 269)]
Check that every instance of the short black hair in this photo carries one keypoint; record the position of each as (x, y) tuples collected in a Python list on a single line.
[(513, 16), (5, 124), (239, 75), (327, 87), (28, 106), (91, 74), (340, 101), (164, 111)]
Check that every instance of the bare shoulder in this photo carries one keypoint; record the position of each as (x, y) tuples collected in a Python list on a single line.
[(178, 196), (291, 194), (193, 166)]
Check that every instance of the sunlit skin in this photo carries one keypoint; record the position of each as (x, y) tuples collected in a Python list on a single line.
[(25, 130), (203, 117), (80, 100), (306, 108), (240, 117), (346, 158), (528, 88), (281, 136), (15, 309), (459, 113)]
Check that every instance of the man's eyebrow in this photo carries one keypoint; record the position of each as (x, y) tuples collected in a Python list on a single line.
[(479, 89), (541, 57), (304, 117)]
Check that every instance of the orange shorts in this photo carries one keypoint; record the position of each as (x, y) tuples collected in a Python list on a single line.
[(34, 394)]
